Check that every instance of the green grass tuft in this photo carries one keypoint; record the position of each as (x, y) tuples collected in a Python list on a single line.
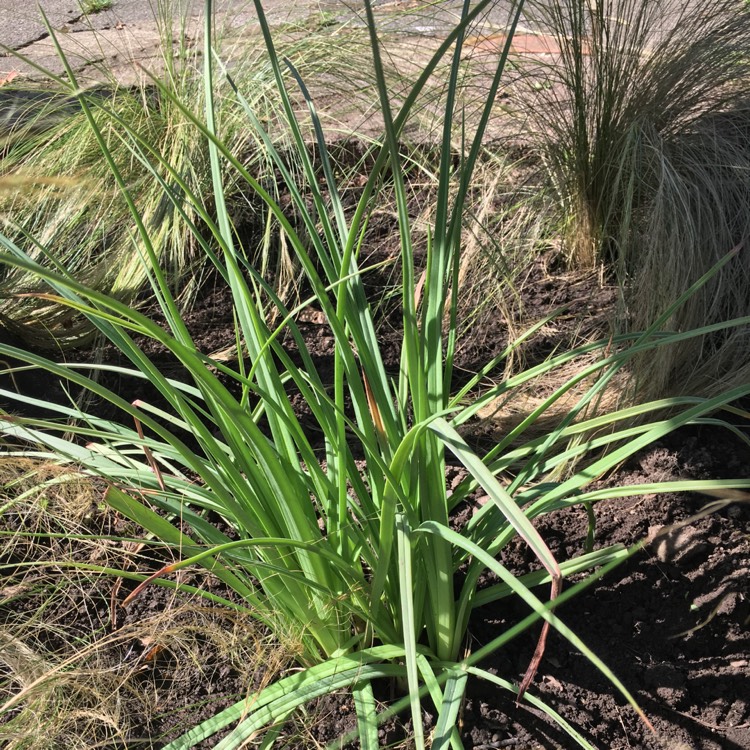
[(95, 6), (643, 123), (336, 524)]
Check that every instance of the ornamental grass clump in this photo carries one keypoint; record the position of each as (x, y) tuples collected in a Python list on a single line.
[(642, 120), (60, 199), (78, 672), (336, 528)]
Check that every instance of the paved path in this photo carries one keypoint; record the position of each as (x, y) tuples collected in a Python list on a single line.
[(117, 41), (24, 26), (129, 32)]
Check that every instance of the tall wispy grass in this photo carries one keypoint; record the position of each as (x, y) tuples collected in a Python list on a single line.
[(70, 675), (56, 191), (340, 521), (642, 119)]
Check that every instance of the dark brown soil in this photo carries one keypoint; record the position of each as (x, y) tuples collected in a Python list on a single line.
[(673, 622)]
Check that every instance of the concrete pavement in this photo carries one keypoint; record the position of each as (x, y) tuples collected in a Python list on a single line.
[(132, 31)]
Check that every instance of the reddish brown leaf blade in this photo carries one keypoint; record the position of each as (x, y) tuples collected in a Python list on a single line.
[(377, 420), (142, 585), (536, 659)]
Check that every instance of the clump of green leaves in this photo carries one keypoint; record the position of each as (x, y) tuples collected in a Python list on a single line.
[(342, 534), (95, 6)]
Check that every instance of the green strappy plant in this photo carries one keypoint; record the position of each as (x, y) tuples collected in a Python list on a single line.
[(341, 534)]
